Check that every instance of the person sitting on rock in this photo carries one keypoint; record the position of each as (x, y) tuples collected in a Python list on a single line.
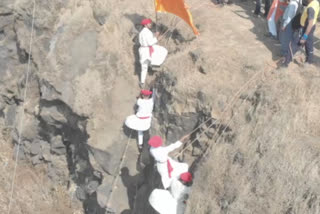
[(141, 121), (166, 166), (173, 201), (149, 52)]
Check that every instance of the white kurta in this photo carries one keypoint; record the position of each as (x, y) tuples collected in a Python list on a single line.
[(147, 39), (163, 202), (161, 155), (145, 108), (180, 193)]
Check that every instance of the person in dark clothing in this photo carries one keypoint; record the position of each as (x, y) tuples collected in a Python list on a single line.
[(308, 22), (267, 5), (286, 29)]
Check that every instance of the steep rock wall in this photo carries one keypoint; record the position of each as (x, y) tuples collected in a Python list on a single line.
[(82, 86)]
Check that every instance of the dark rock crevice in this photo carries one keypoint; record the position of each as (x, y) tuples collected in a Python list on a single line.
[(175, 125), (6, 14), (58, 138), (23, 56), (58, 119)]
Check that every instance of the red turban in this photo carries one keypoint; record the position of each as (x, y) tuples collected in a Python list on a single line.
[(146, 21), (146, 92), (155, 141), (186, 177)]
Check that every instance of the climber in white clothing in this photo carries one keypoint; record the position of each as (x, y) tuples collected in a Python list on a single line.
[(163, 202), (180, 190), (166, 166), (173, 201), (149, 52), (141, 121)]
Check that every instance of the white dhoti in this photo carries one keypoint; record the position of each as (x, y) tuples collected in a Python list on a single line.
[(157, 57), (178, 169), (163, 202), (138, 124)]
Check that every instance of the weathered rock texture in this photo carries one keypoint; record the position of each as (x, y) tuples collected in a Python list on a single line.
[(271, 165), (258, 152)]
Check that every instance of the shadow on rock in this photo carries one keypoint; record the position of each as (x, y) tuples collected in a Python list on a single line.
[(139, 188)]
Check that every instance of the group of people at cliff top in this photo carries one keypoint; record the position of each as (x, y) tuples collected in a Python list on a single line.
[(294, 28), (297, 29), (175, 177)]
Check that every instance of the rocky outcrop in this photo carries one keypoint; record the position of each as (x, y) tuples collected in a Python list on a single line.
[(45, 121)]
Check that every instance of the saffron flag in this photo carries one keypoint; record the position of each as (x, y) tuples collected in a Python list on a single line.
[(177, 7)]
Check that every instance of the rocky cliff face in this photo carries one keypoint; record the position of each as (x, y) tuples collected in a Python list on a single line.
[(258, 151), (55, 113)]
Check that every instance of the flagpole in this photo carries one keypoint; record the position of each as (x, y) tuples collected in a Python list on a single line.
[(156, 14)]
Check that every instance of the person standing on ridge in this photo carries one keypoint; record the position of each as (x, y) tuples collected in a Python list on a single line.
[(286, 31), (149, 52), (308, 22)]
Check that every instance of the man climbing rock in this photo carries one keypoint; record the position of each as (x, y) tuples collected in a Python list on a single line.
[(173, 201), (163, 202), (166, 166), (149, 52), (180, 190), (308, 22), (141, 121)]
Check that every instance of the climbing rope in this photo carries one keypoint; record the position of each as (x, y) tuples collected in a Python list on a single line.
[(115, 180), (22, 116), (156, 14), (234, 99), (228, 123)]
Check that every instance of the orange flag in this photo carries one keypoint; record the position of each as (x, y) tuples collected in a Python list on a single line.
[(177, 7)]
